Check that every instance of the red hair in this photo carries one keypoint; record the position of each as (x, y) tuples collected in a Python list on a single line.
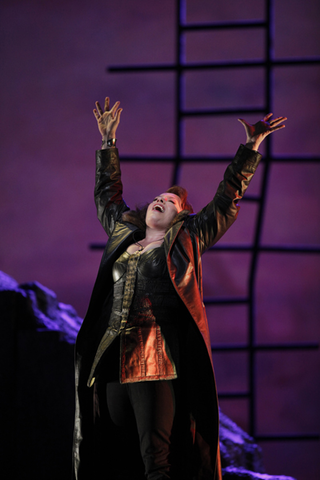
[(182, 194)]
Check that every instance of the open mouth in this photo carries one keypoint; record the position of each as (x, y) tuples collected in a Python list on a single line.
[(158, 208)]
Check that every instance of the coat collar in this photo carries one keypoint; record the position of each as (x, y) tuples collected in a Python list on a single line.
[(170, 236)]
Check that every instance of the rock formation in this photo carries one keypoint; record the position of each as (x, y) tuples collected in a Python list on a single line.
[(37, 394)]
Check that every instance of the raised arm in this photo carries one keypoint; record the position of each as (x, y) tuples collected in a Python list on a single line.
[(108, 186), (214, 220)]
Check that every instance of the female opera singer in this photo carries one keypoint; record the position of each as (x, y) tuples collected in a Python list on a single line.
[(146, 399)]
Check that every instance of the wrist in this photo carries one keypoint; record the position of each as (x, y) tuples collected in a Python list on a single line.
[(253, 145), (108, 143)]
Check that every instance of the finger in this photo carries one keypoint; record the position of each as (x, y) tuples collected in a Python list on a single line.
[(118, 115), (278, 120), (266, 118), (96, 114), (244, 123), (114, 109), (116, 119), (106, 104), (273, 129), (99, 108)]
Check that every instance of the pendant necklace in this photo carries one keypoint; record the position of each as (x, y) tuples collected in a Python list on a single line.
[(142, 247)]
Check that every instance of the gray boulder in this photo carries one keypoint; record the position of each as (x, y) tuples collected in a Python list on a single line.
[(241, 457), (40, 308)]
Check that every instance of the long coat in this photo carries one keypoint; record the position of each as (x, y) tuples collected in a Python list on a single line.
[(184, 244)]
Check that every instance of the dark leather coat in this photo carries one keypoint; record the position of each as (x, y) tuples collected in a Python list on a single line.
[(184, 244)]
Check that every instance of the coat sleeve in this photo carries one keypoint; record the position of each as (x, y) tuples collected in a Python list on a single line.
[(108, 189), (215, 218)]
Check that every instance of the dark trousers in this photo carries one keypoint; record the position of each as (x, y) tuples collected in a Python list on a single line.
[(142, 431)]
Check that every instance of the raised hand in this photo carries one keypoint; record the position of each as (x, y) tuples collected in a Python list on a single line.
[(107, 120), (259, 131)]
